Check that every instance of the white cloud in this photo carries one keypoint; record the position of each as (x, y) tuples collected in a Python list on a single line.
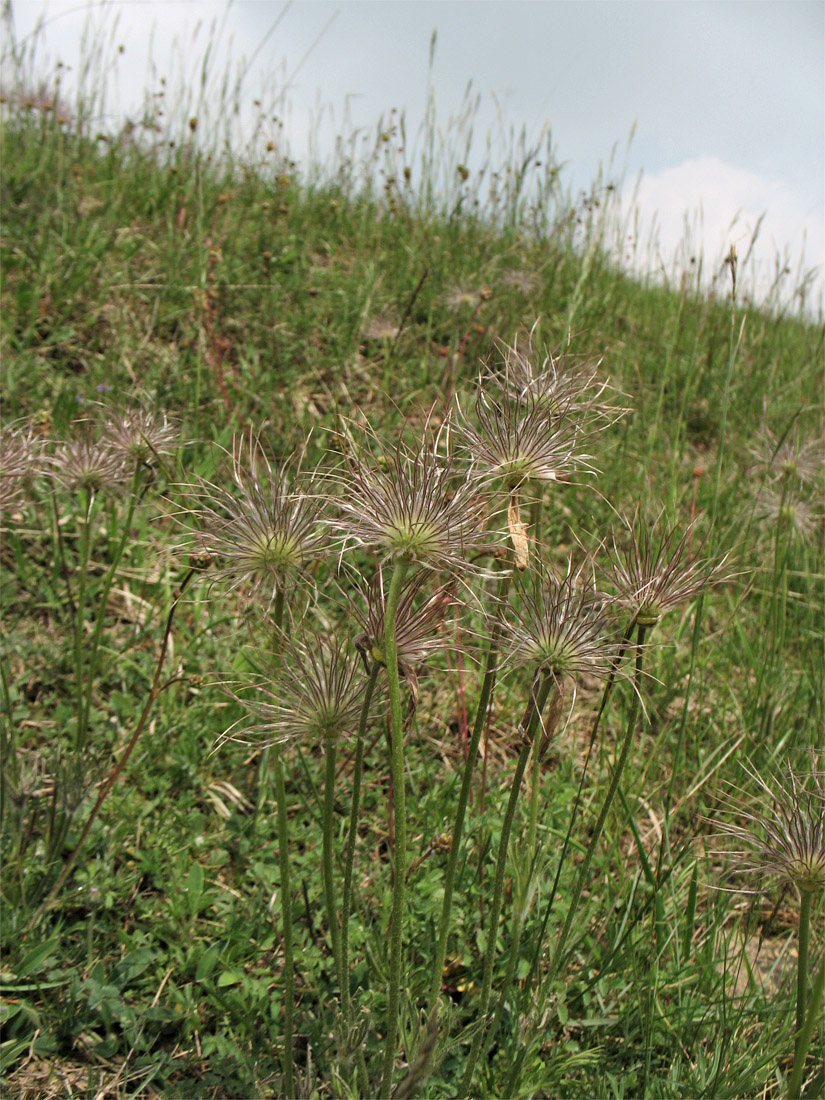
[(696, 210)]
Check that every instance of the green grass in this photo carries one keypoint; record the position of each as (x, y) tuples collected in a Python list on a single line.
[(247, 296)]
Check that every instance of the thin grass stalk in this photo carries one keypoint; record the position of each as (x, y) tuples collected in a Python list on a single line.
[(584, 870), (399, 822), (805, 1034), (286, 917), (539, 700), (482, 711), (106, 786)]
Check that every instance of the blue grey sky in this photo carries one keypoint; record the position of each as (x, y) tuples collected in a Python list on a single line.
[(726, 99)]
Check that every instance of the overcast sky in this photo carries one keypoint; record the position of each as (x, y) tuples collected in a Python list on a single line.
[(727, 99)]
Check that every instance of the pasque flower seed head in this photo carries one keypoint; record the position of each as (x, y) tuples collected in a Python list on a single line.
[(560, 626), (784, 834), (412, 505), (653, 572), (263, 529), (317, 697)]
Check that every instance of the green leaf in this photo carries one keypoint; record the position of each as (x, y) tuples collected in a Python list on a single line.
[(34, 962), (10, 1051), (132, 965), (194, 887), (230, 977), (207, 962)]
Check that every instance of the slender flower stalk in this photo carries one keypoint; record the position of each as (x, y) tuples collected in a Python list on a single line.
[(286, 917), (559, 629), (352, 836), (539, 693), (584, 870), (482, 711), (399, 821), (411, 506), (652, 575), (318, 697)]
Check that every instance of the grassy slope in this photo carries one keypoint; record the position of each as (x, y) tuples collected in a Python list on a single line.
[(237, 299)]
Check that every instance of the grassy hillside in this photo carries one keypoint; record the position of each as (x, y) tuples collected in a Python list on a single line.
[(609, 524)]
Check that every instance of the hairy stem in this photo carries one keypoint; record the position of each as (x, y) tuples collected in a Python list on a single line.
[(399, 822), (286, 916), (463, 799), (329, 879)]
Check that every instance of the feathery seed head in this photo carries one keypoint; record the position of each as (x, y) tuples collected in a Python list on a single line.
[(653, 572), (264, 528), (317, 697), (557, 383), (19, 462), (522, 442), (86, 462), (793, 459), (787, 511), (412, 505), (140, 435), (785, 835), (415, 626), (560, 626)]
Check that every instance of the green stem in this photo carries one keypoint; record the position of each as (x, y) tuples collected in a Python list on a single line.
[(803, 1039), (399, 821), (80, 609), (86, 709), (464, 797), (584, 870), (286, 913), (346, 909), (263, 766), (329, 880), (802, 960), (539, 700), (535, 777)]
